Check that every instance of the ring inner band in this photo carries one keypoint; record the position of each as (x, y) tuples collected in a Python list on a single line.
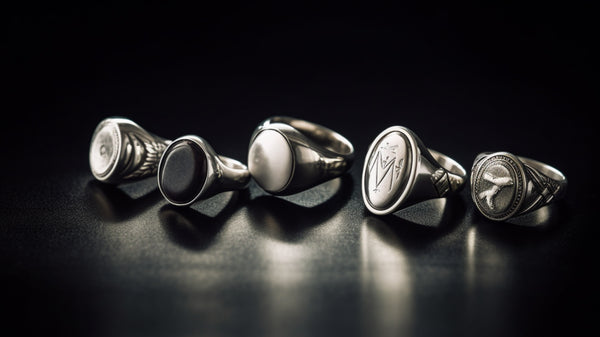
[(544, 169), (448, 163), (319, 134)]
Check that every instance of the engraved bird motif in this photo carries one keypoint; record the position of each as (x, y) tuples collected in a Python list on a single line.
[(499, 184)]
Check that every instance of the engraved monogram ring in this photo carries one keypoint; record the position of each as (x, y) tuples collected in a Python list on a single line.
[(400, 171), (289, 155), (190, 170), (504, 185), (122, 151)]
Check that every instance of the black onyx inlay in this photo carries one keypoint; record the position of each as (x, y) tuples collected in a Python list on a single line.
[(183, 172)]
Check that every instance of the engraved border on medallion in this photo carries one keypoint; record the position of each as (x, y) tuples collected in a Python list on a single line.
[(511, 163), (116, 144), (408, 178), (400, 182)]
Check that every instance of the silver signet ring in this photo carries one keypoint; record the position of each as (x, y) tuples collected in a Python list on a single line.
[(190, 170), (400, 171), (289, 155), (504, 185), (121, 151)]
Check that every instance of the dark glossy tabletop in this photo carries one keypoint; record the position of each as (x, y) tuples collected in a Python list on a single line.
[(84, 258)]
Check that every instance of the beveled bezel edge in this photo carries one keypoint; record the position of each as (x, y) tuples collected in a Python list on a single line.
[(119, 144), (309, 134), (415, 160), (211, 168), (522, 183), (276, 127)]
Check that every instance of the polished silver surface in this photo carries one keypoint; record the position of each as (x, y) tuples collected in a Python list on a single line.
[(289, 155), (400, 171), (121, 150), (504, 185), (221, 174)]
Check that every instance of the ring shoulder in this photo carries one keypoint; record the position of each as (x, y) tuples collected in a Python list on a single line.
[(541, 189), (148, 150)]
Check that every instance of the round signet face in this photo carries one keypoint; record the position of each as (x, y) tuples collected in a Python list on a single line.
[(387, 171), (104, 150), (497, 187)]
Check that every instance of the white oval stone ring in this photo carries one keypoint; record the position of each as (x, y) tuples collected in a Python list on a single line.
[(400, 171), (289, 155)]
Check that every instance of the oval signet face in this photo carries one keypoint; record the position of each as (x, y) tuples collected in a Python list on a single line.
[(497, 188), (104, 149), (387, 170), (270, 160), (183, 172)]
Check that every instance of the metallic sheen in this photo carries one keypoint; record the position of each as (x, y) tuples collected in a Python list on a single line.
[(504, 185), (121, 150), (289, 155), (400, 171), (221, 174)]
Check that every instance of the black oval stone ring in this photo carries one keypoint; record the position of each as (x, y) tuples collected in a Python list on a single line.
[(504, 185), (190, 170), (400, 171), (289, 155)]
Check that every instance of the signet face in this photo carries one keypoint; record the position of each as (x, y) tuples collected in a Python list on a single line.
[(387, 170), (105, 148), (497, 188)]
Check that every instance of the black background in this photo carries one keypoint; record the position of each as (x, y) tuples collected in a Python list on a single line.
[(82, 258)]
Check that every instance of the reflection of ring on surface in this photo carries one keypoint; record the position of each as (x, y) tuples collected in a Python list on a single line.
[(121, 150), (400, 171), (289, 155), (504, 185), (190, 170)]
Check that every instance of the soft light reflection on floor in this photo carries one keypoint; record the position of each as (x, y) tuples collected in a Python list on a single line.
[(386, 282), (470, 257), (291, 299), (288, 299), (286, 263), (486, 276)]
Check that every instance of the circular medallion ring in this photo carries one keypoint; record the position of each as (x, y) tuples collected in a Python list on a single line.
[(504, 185), (400, 171), (121, 151)]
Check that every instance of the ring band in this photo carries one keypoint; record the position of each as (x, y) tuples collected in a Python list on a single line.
[(400, 171), (504, 185), (121, 150), (190, 170), (289, 155)]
